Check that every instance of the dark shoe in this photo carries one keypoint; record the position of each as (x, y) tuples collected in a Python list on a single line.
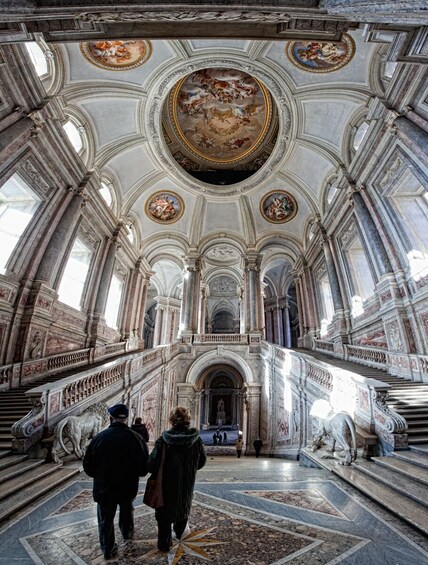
[(164, 548), (112, 553)]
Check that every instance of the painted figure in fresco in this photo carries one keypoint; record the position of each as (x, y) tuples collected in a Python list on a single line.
[(108, 51), (163, 207), (279, 208)]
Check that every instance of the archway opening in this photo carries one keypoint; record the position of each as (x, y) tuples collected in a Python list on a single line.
[(222, 405)]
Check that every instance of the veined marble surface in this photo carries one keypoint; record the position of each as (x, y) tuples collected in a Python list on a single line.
[(247, 511)]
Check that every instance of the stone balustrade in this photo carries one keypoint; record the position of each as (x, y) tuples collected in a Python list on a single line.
[(73, 394), (220, 338), (31, 370), (365, 399)]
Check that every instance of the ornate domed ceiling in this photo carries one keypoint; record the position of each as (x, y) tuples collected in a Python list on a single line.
[(220, 124)]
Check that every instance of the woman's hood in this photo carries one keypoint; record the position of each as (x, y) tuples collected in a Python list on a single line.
[(185, 438)]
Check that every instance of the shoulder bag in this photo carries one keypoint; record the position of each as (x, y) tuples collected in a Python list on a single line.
[(153, 495)]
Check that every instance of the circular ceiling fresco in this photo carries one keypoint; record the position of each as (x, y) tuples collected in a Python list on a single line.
[(221, 116), (117, 55)]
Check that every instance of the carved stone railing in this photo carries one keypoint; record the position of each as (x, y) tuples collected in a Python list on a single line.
[(31, 370), (365, 399), (71, 395), (409, 366), (220, 338)]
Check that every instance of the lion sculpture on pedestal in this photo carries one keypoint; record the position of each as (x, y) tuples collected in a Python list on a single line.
[(79, 429), (338, 428)]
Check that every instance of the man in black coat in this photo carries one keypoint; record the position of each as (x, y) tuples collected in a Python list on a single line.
[(115, 458)]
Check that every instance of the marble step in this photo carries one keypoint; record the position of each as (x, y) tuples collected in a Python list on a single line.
[(413, 440), (418, 416), (33, 491), (416, 428), (407, 509), (5, 445), (6, 437), (26, 479), (19, 468), (406, 468), (413, 457), (421, 448), (8, 460), (396, 481), (5, 453)]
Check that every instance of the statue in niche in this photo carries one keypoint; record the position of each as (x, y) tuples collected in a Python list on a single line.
[(220, 405), (36, 346)]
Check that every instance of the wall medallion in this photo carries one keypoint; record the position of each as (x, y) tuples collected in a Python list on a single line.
[(164, 207), (278, 207), (117, 55), (317, 57)]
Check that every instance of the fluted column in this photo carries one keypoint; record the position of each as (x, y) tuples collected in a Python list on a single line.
[(15, 134), (253, 292), (142, 308), (332, 274), (371, 234), (286, 323), (107, 274), (202, 311), (191, 293), (60, 239), (158, 325)]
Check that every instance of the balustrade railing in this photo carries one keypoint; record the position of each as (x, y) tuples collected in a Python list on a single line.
[(220, 338), (371, 356), (364, 398), (25, 372), (55, 400)]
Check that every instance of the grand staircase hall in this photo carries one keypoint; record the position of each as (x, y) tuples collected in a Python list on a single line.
[(221, 206)]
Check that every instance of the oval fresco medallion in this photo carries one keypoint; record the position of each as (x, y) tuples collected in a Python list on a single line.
[(317, 57), (164, 207), (278, 207), (117, 54), (220, 115)]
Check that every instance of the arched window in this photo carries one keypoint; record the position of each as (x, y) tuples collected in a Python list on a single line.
[(74, 135), (18, 204), (113, 302), (131, 234), (326, 302), (359, 134), (74, 276), (105, 192), (38, 58)]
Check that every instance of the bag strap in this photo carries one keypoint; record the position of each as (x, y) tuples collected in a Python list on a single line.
[(160, 470)]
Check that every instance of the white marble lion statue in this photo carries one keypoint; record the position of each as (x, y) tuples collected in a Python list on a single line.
[(77, 430), (338, 428)]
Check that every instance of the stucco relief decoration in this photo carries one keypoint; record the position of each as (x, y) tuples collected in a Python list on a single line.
[(117, 55), (222, 254), (278, 207), (319, 57), (164, 207), (220, 115)]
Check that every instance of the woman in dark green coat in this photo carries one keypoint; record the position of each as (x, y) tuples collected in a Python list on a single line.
[(184, 455)]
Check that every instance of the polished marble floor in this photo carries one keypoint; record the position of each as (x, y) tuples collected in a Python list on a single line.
[(245, 511)]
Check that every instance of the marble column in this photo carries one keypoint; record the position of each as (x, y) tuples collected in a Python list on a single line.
[(299, 306), (158, 326), (131, 302), (60, 239), (286, 323), (107, 274), (413, 136), (191, 294), (202, 311), (332, 275), (15, 134), (144, 289), (371, 234), (253, 292), (278, 328)]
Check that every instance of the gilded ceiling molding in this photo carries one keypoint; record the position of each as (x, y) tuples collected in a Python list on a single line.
[(155, 135)]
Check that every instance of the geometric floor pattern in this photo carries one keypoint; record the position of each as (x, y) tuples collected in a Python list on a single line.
[(247, 511)]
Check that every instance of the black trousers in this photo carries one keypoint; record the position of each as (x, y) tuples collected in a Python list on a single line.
[(163, 518), (106, 511)]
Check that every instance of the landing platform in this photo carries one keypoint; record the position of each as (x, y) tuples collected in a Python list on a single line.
[(245, 511)]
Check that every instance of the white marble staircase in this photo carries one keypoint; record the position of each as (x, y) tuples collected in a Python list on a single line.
[(23, 480), (399, 482)]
